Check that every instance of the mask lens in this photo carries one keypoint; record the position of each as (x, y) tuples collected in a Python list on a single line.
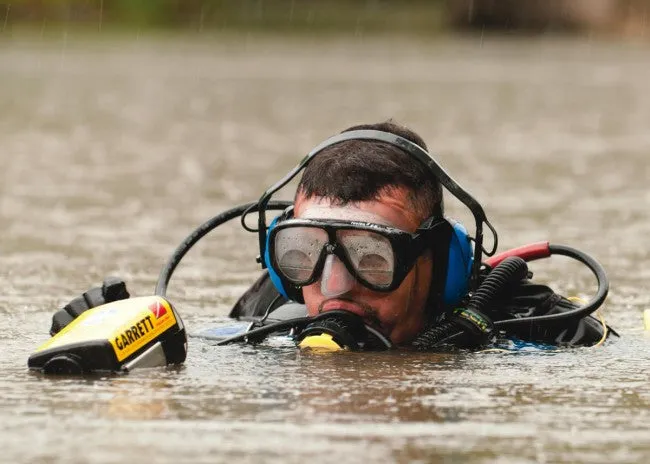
[(297, 250), (370, 254)]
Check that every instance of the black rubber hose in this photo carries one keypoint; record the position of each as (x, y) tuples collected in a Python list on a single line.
[(261, 332), (580, 312), (438, 335), (297, 324), (202, 231), (510, 270)]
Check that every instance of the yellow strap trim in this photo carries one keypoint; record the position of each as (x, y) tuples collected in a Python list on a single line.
[(601, 318)]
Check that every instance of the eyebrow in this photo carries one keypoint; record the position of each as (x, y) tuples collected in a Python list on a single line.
[(360, 216)]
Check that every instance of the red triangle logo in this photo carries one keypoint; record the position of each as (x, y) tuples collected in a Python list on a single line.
[(157, 309)]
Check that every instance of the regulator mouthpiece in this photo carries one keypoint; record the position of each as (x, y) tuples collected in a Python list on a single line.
[(340, 331), (336, 279)]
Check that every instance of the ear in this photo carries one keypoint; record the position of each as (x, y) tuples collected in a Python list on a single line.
[(459, 264)]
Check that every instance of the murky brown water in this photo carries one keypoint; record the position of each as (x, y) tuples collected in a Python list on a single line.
[(111, 152)]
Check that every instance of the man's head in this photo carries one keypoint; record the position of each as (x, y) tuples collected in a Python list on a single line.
[(378, 183)]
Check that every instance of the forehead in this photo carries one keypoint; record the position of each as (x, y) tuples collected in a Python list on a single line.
[(344, 213), (391, 209)]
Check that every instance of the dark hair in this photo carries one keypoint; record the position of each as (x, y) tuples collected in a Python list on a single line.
[(362, 170)]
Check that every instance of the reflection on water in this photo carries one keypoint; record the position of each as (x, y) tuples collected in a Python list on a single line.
[(112, 152)]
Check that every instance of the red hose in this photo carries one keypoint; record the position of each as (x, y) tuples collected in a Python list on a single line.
[(529, 252)]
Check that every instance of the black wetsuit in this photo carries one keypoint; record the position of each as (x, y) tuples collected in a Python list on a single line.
[(523, 300)]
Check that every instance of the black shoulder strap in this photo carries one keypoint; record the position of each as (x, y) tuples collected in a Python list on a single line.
[(259, 298)]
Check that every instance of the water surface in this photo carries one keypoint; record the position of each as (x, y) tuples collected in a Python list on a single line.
[(112, 151)]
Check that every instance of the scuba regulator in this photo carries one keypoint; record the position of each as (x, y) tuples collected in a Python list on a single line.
[(335, 330), (340, 330)]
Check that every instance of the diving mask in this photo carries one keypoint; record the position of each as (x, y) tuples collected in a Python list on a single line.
[(377, 256)]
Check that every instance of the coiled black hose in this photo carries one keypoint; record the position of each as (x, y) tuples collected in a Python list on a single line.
[(445, 332), (511, 270)]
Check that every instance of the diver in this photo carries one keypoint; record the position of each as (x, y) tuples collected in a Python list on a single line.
[(364, 258), (367, 235)]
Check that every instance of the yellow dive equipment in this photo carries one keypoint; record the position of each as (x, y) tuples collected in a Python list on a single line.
[(322, 343), (117, 336), (340, 330)]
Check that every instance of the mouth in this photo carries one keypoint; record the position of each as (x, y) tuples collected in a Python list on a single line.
[(364, 311)]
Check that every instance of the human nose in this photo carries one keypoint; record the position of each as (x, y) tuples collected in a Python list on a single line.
[(336, 279)]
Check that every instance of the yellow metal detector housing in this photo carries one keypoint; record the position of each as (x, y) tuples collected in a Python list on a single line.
[(117, 336)]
